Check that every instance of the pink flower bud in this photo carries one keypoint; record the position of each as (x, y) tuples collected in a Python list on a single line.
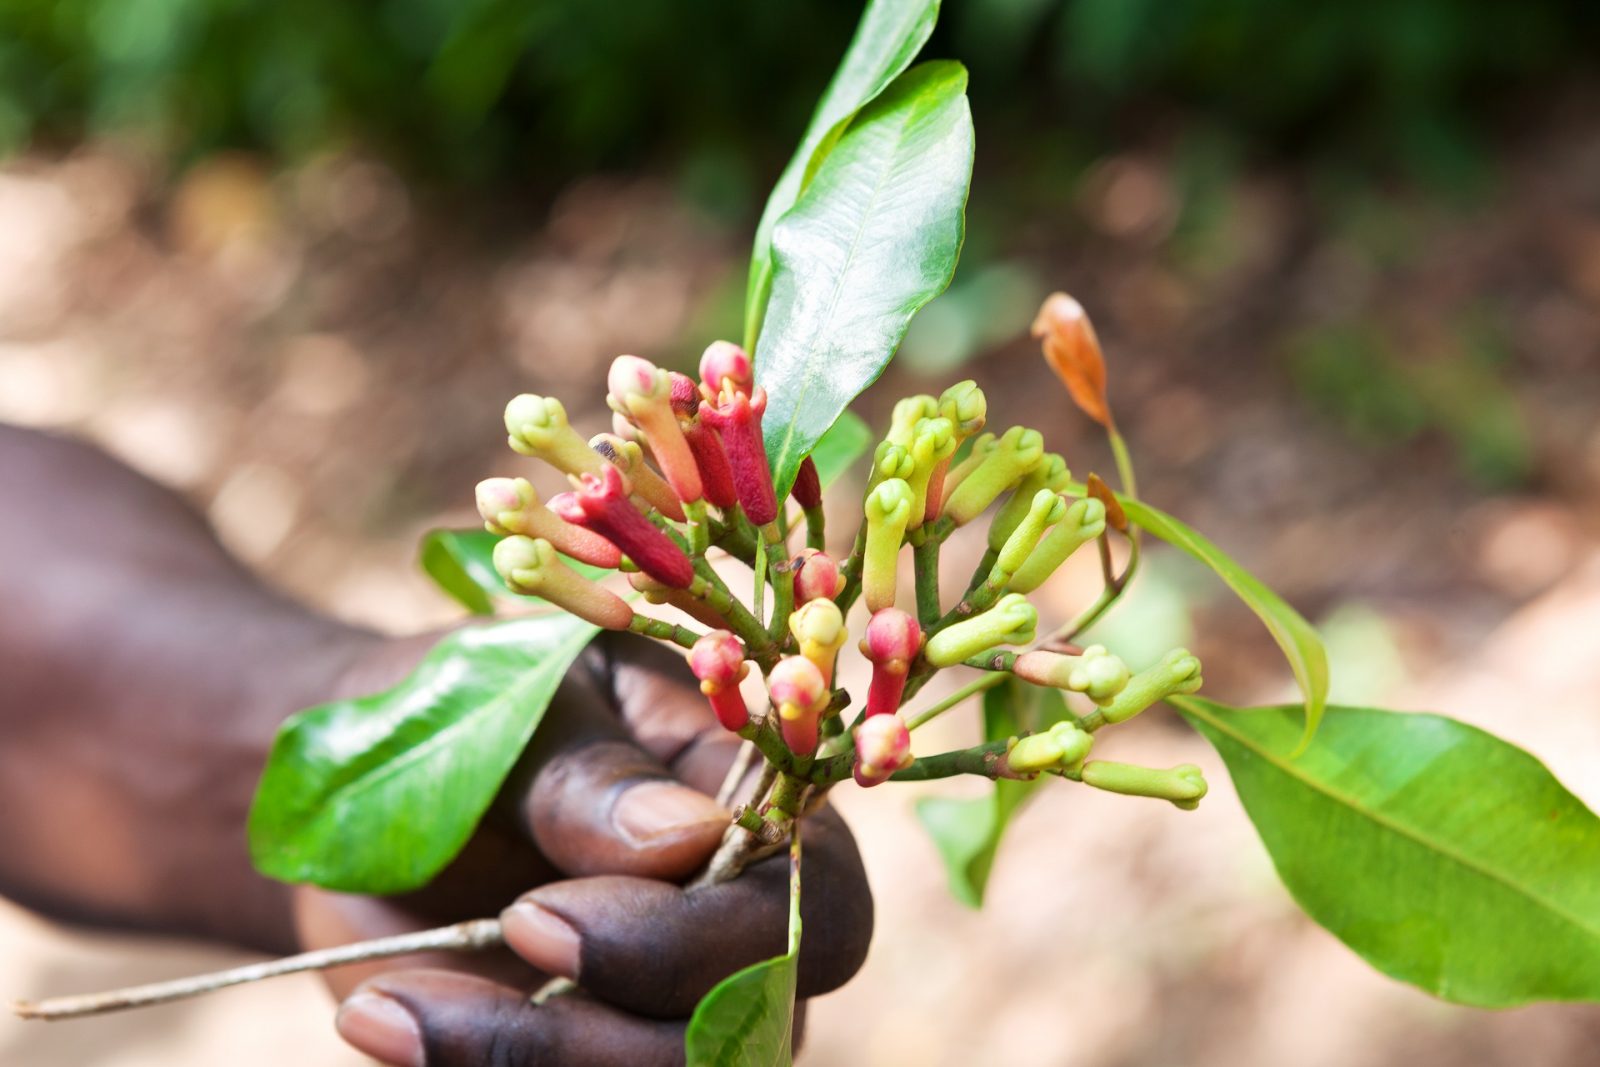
[(816, 575), (685, 395), (717, 659), (511, 506), (716, 477), (883, 747), (725, 364), (644, 391), (737, 420), (892, 641), (603, 506), (807, 491), (799, 693)]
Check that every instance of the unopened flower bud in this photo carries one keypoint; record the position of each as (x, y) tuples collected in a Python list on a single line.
[(737, 419), (1017, 452), (807, 491), (799, 693), (966, 407), (1177, 672), (931, 448), (655, 592), (883, 748), (1010, 622), (1097, 674), (1064, 745), (511, 506), (628, 457), (718, 660), (1073, 352), (888, 510), (1045, 509), (1051, 474), (531, 566), (644, 391), (724, 365), (1183, 785), (816, 574), (1083, 521), (603, 506), (537, 426), (819, 634), (716, 477), (892, 642), (981, 447), (907, 413), (890, 460)]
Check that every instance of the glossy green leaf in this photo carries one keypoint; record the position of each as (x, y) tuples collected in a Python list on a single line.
[(1444, 856), (747, 1020), (1300, 643), (967, 830), (845, 442), (378, 794), (462, 563), (889, 36), (873, 238)]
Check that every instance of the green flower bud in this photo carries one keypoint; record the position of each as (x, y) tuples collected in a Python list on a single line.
[(1010, 622), (532, 567), (1096, 674), (1051, 474), (888, 510), (890, 460), (1184, 785), (966, 407), (1046, 508), (537, 426), (933, 443), (1016, 453), (981, 448), (1178, 672), (907, 413), (1084, 521), (1064, 745)]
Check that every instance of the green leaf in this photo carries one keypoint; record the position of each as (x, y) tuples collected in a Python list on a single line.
[(844, 443), (462, 563), (967, 830), (1444, 856), (747, 1020), (378, 794), (1300, 643), (889, 36), (874, 237)]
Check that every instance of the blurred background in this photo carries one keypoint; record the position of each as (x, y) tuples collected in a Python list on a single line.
[(1345, 259)]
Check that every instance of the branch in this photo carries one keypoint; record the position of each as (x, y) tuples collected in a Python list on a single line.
[(471, 936)]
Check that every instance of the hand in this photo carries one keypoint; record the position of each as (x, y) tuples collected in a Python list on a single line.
[(614, 797)]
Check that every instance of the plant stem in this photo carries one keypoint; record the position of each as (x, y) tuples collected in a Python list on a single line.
[(782, 576), (933, 711), (925, 560), (474, 935), (663, 630), (816, 530), (850, 570)]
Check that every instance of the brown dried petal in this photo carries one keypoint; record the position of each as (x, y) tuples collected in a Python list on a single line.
[(1073, 352)]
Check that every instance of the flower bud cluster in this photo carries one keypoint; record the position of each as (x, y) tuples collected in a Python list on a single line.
[(684, 470)]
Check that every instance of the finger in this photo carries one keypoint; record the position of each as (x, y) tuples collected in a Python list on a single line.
[(325, 919), (661, 706), (441, 1019), (655, 949)]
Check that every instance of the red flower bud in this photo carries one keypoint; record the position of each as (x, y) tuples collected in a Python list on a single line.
[(807, 491), (883, 747), (717, 659), (602, 505), (816, 574), (737, 420), (892, 641), (799, 693), (725, 364), (716, 477)]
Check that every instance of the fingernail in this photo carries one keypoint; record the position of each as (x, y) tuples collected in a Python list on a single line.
[(542, 938), (651, 811), (381, 1028)]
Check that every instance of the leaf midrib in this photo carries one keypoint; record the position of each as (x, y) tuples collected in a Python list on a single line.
[(838, 288), (369, 780), (1399, 829)]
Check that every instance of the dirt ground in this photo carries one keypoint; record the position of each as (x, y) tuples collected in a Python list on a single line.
[(318, 359)]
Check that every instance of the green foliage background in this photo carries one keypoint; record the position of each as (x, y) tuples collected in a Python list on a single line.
[(488, 90)]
